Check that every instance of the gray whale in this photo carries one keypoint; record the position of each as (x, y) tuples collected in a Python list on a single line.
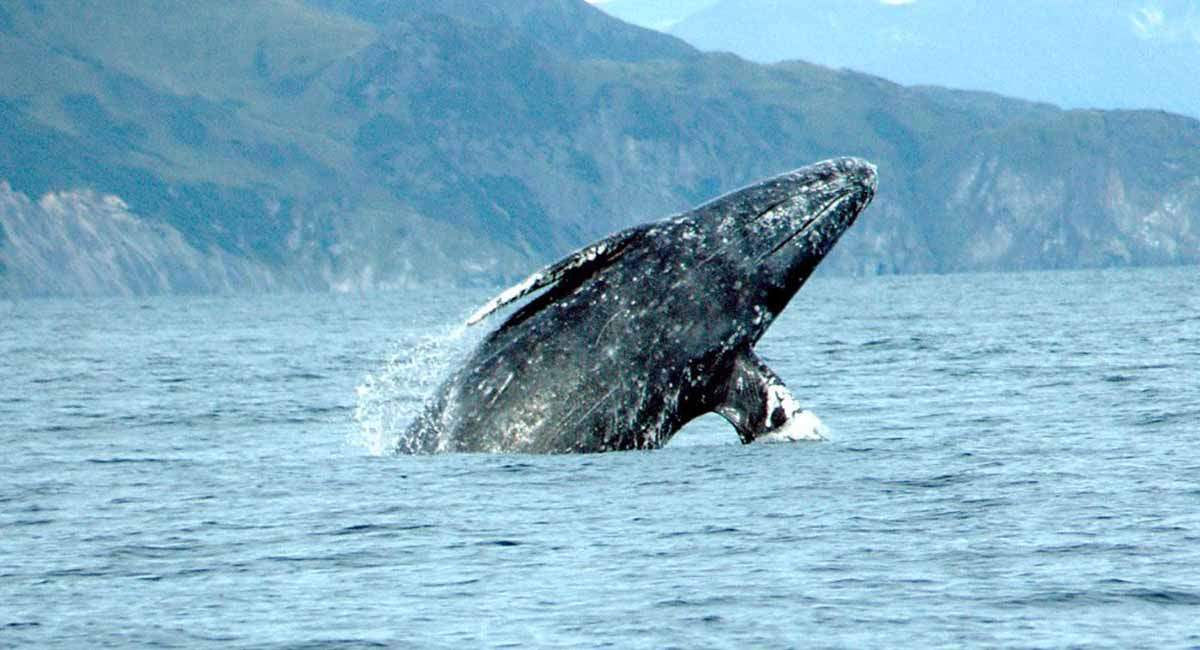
[(639, 333)]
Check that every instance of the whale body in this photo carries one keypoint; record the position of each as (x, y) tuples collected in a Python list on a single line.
[(639, 333)]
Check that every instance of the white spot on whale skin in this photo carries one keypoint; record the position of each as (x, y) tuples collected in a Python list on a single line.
[(804, 426)]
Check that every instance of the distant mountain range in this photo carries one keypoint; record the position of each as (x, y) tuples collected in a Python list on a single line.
[(1074, 53), (166, 146)]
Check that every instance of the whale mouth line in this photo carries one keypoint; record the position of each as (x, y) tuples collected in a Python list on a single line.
[(808, 225), (771, 208)]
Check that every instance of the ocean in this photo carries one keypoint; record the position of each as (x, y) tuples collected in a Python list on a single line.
[(1014, 462)]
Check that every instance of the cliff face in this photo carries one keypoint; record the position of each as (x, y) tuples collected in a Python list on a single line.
[(347, 146), (1095, 219), (81, 243), (1074, 189)]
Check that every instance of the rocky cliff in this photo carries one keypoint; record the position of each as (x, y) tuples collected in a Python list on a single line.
[(163, 147), (81, 243)]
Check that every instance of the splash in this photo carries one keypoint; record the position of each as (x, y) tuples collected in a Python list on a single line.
[(390, 398)]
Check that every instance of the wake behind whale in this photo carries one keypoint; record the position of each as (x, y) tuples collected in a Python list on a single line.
[(639, 333)]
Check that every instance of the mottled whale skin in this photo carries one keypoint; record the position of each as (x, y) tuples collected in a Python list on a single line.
[(641, 332)]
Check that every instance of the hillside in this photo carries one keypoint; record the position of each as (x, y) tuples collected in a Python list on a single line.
[(353, 145)]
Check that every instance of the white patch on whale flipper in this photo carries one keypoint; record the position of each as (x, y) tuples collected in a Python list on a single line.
[(803, 426), (799, 424)]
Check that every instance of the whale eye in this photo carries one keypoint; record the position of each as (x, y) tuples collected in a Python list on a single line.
[(778, 417)]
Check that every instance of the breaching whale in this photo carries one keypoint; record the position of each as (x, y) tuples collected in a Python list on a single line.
[(639, 333)]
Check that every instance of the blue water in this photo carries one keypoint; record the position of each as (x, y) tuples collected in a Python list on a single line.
[(1015, 462)]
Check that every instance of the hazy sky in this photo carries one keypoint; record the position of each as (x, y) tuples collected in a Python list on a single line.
[(656, 14), (1075, 53)]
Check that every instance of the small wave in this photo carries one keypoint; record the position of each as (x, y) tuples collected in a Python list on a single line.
[(452, 583), (499, 542), (1110, 596), (302, 375), (1160, 417), (323, 644), (154, 551), (517, 468), (29, 522), (1081, 548), (77, 572), (707, 530), (1164, 596), (362, 529), (696, 602), (120, 459), (939, 481)]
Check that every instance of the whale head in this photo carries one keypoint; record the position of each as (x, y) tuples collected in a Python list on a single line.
[(773, 234)]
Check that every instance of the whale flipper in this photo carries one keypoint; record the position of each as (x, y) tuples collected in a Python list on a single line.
[(760, 407), (573, 269)]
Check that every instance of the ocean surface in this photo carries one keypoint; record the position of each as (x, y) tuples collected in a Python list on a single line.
[(1015, 462)]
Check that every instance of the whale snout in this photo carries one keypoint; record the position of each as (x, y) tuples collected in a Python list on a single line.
[(863, 169), (821, 202), (864, 180), (827, 197), (867, 175), (856, 176)]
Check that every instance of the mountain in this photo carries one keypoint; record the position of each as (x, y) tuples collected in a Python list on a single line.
[(165, 146), (1075, 53)]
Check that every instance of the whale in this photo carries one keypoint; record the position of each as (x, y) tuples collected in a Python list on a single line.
[(625, 341)]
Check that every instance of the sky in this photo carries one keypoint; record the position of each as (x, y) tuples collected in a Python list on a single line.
[(1142, 54), (655, 14)]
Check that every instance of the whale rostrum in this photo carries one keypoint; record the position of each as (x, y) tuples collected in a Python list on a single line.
[(639, 333)]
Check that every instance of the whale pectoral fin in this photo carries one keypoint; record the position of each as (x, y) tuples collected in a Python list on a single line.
[(760, 406), (574, 268)]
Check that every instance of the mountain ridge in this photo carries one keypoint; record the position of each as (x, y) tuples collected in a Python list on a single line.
[(429, 144)]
